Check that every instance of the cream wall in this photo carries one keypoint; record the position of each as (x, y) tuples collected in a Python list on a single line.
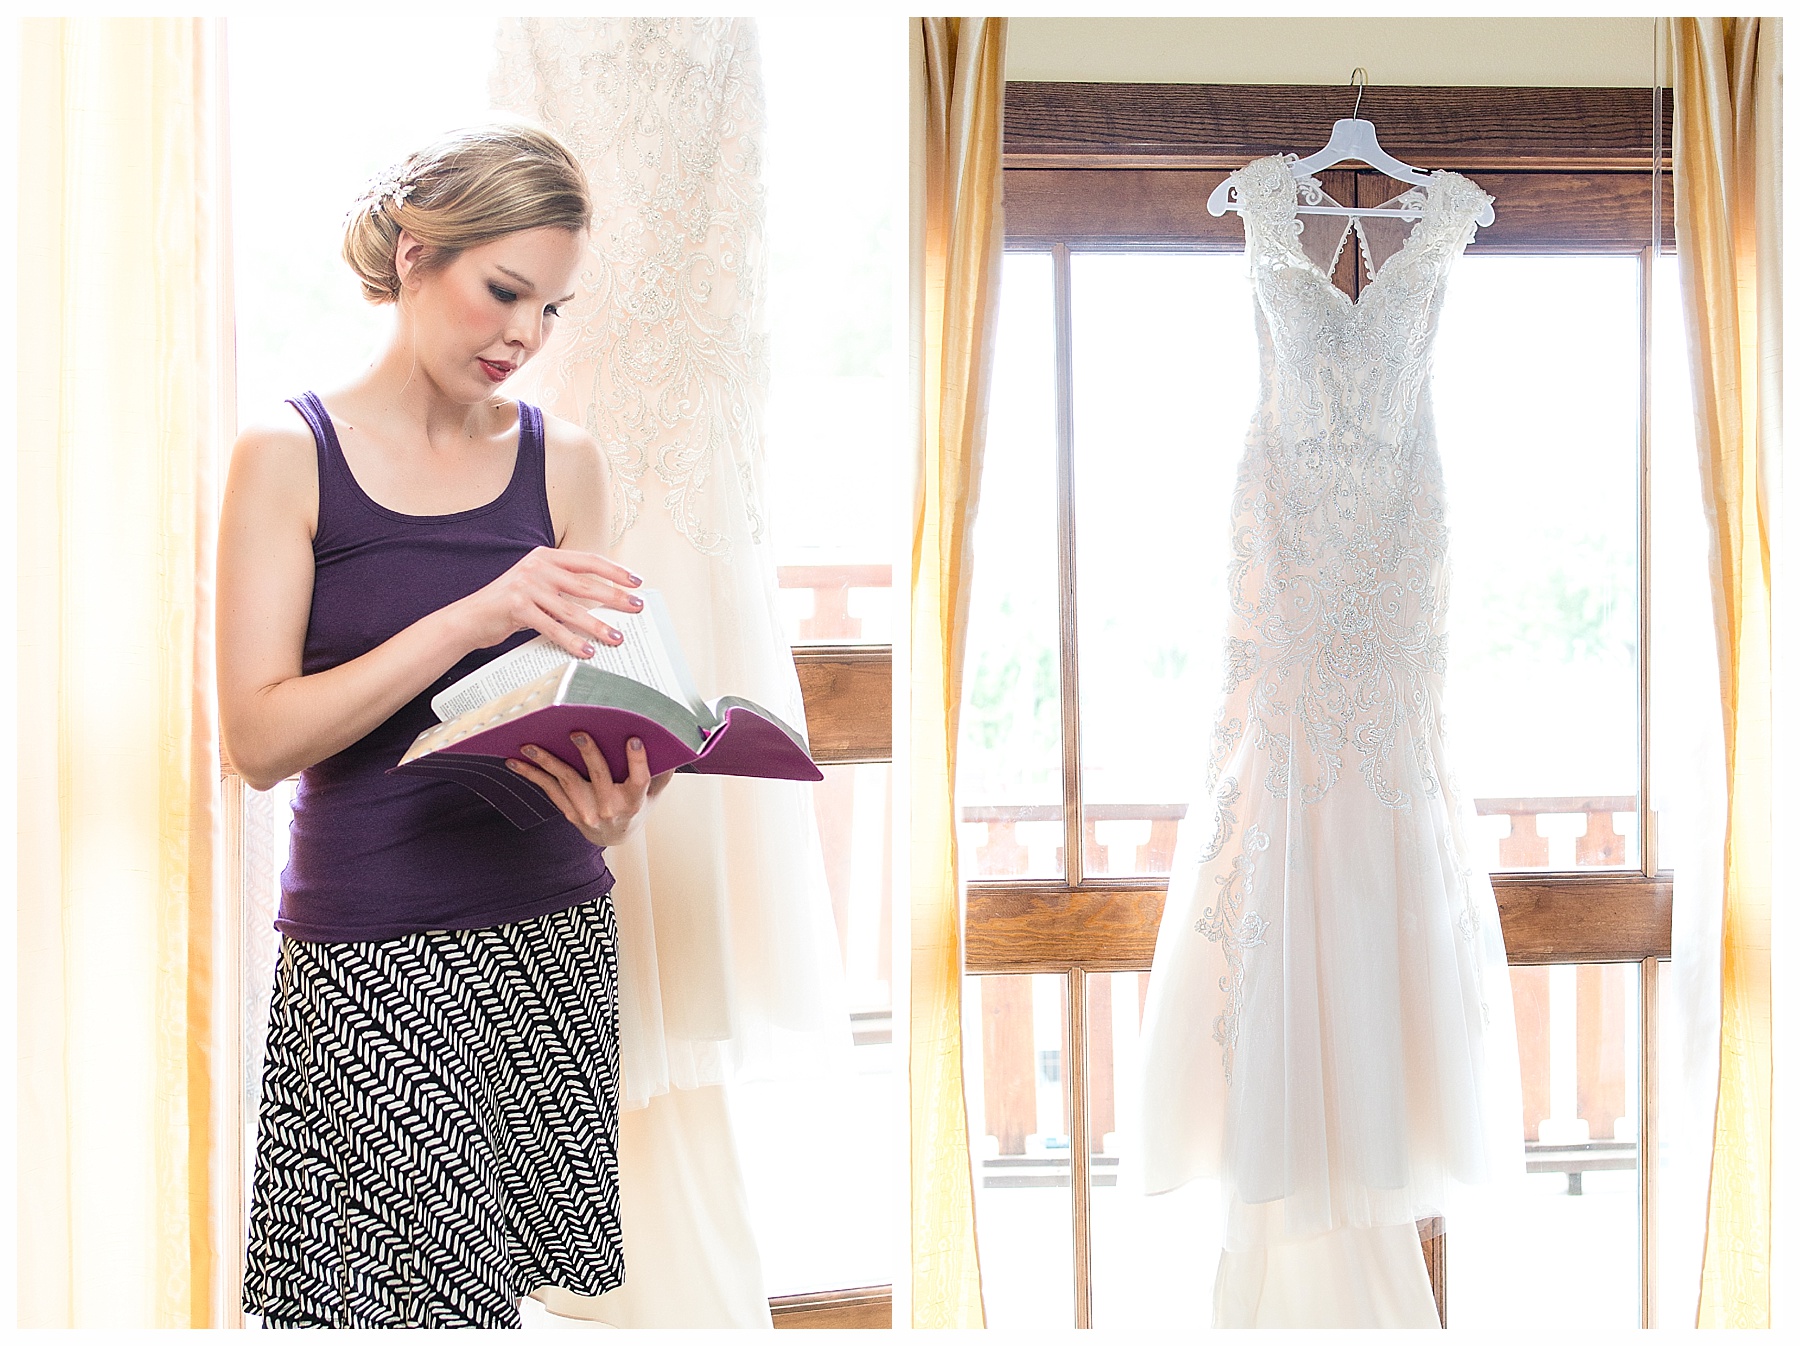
[(1606, 52)]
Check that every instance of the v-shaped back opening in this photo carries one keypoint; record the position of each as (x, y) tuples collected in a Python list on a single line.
[(1379, 238)]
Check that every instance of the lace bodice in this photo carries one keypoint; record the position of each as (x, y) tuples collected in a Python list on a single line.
[(1336, 643)]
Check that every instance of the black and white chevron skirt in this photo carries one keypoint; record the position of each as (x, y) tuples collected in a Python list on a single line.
[(439, 1126)]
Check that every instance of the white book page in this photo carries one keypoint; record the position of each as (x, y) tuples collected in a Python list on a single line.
[(648, 654)]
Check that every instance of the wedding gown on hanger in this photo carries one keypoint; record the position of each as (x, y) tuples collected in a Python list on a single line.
[(1328, 1030), (728, 956)]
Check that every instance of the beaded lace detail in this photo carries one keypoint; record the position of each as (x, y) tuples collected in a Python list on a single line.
[(664, 345), (1335, 649), (1337, 577)]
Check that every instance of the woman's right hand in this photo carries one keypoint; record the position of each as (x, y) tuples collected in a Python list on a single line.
[(550, 591)]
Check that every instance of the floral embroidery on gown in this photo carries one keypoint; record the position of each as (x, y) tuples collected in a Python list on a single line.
[(1328, 1029)]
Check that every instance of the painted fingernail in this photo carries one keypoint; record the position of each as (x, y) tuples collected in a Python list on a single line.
[(636, 745), (581, 739), (531, 752), (615, 637), (633, 578), (517, 767), (636, 602), (587, 650)]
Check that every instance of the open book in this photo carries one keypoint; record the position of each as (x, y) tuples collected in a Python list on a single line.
[(539, 693)]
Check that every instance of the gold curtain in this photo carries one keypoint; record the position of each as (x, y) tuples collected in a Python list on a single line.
[(123, 381), (958, 87), (1727, 159)]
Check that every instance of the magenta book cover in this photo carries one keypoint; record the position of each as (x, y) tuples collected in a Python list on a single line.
[(472, 749)]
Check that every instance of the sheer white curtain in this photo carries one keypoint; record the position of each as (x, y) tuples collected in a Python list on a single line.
[(1687, 795), (123, 300)]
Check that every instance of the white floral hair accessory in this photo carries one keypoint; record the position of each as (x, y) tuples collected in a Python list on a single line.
[(391, 185)]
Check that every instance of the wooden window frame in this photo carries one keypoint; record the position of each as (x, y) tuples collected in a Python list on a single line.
[(1130, 166)]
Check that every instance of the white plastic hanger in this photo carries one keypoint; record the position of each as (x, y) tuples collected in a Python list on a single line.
[(1352, 139)]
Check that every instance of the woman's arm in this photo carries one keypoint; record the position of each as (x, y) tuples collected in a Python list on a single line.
[(274, 720)]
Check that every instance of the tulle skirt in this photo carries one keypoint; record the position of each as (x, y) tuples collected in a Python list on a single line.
[(1328, 1029)]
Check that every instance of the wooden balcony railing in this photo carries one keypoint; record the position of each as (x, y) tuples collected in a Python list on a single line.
[(830, 621), (1576, 1025), (1140, 838)]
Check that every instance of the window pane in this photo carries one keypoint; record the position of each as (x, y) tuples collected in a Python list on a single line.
[(821, 1162), (1165, 382), (1685, 1115), (822, 1156), (1010, 764), (1687, 787), (1535, 390), (834, 430), (1153, 1256), (1543, 550), (1687, 754), (854, 806), (1569, 1231), (1019, 1135)]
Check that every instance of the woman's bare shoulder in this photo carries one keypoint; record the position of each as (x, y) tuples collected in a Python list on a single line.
[(575, 482), (569, 447), (274, 463), (278, 436)]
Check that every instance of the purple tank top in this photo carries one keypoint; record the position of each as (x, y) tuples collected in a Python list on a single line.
[(373, 856)]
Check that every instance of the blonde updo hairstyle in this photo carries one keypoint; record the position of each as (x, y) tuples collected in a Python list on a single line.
[(466, 188)]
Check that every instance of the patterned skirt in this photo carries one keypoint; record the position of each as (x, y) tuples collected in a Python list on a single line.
[(439, 1126)]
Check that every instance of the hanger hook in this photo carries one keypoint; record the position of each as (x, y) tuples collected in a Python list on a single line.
[(1359, 85)]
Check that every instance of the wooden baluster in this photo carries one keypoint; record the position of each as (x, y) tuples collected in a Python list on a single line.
[(1600, 1047), (1101, 1114), (1522, 847), (1059, 1125), (1008, 1061), (1531, 1010), (831, 619), (982, 849), (1002, 854), (1094, 855), (1600, 845), (1156, 854)]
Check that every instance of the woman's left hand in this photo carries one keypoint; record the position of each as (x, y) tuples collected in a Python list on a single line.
[(606, 811)]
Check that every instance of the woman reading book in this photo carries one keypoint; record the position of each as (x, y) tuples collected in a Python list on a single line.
[(438, 1127)]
